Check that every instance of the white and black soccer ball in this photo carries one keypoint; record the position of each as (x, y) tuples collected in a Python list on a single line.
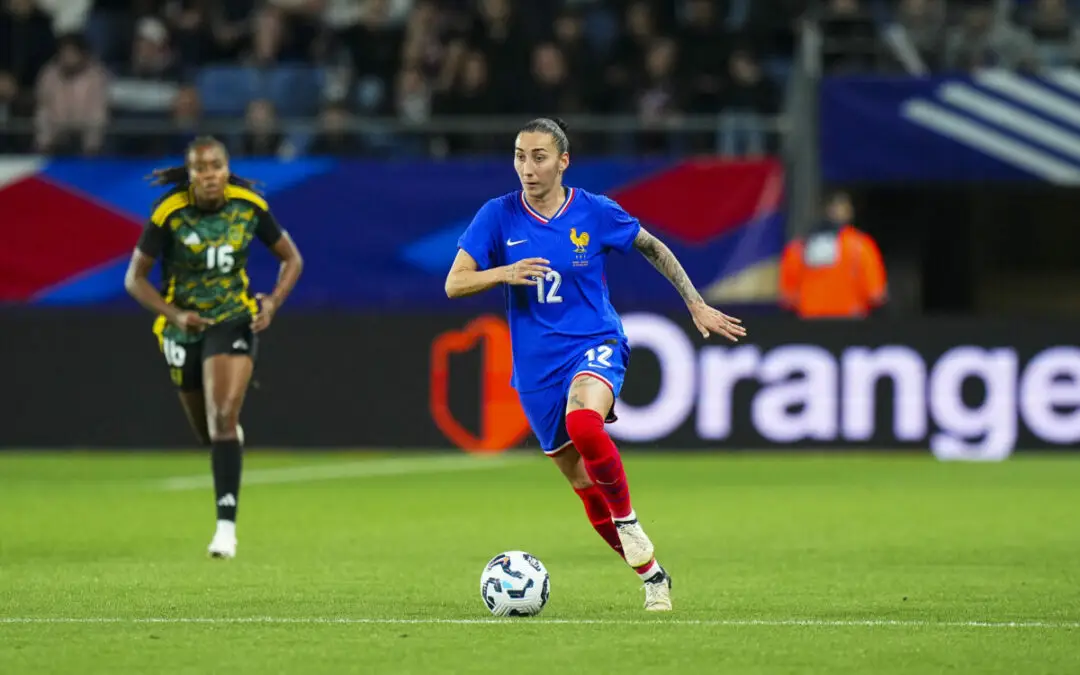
[(515, 583)]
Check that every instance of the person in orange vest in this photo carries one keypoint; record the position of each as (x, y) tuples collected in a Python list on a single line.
[(835, 270)]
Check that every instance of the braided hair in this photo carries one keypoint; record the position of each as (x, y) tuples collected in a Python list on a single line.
[(178, 176)]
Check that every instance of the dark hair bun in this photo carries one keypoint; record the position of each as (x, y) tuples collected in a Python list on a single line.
[(562, 124)]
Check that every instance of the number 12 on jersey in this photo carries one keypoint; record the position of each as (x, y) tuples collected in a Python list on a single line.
[(600, 357), (552, 296)]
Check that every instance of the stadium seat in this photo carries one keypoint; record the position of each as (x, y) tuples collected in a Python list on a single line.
[(295, 90), (226, 91)]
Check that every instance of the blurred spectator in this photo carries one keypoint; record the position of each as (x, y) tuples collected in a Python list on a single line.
[(108, 27), (68, 16), (209, 31), (72, 101), (342, 15), (470, 95), (702, 42), (286, 31), (147, 85), (187, 120), (580, 57), (748, 98), (835, 271), (850, 41), (413, 97), (335, 138), (263, 137), (748, 89), (189, 22), (773, 25), (1056, 39), (413, 106), (497, 32), (374, 42), (657, 94), (627, 61), (917, 35), (231, 25), (982, 41), (552, 92), (151, 55), (657, 98), (26, 44), (427, 47)]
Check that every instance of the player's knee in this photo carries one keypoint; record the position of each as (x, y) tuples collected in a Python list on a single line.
[(580, 483), (584, 427), (224, 417)]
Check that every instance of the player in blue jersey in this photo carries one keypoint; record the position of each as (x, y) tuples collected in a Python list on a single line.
[(546, 245)]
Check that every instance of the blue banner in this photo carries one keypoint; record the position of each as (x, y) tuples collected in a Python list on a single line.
[(993, 125), (379, 236)]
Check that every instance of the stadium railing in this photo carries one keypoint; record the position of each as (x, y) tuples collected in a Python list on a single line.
[(724, 133)]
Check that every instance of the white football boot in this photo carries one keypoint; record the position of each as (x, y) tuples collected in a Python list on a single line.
[(658, 592), (223, 545), (636, 545)]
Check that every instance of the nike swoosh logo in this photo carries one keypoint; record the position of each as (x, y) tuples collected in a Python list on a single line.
[(511, 242)]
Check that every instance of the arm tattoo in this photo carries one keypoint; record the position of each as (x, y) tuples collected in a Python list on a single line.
[(661, 257)]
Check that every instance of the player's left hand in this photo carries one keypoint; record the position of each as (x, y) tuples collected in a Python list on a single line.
[(709, 320), (265, 315)]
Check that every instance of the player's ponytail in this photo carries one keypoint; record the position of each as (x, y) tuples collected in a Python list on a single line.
[(178, 176), (173, 175), (550, 125)]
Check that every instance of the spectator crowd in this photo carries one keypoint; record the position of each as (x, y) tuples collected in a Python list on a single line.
[(88, 76), (927, 36), (142, 77)]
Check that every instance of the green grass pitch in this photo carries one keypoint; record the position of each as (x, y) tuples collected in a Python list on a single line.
[(370, 563)]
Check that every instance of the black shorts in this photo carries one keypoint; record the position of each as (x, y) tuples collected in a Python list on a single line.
[(185, 360)]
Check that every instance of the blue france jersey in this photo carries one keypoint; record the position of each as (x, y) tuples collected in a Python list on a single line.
[(552, 323)]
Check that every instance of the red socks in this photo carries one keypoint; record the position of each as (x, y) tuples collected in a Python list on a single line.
[(597, 510), (602, 461), (609, 497)]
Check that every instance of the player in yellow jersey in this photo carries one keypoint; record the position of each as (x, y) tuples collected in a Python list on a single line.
[(208, 322)]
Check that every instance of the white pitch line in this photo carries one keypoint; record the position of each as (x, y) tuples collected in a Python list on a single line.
[(359, 469), (730, 623)]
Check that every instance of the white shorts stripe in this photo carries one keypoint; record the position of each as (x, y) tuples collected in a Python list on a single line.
[(558, 449)]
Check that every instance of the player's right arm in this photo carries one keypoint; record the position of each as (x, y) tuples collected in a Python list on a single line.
[(466, 278), (137, 280), (474, 270)]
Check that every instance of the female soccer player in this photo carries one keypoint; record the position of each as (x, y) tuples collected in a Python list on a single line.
[(547, 243), (208, 324)]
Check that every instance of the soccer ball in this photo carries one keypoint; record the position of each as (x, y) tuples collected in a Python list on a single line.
[(515, 583)]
